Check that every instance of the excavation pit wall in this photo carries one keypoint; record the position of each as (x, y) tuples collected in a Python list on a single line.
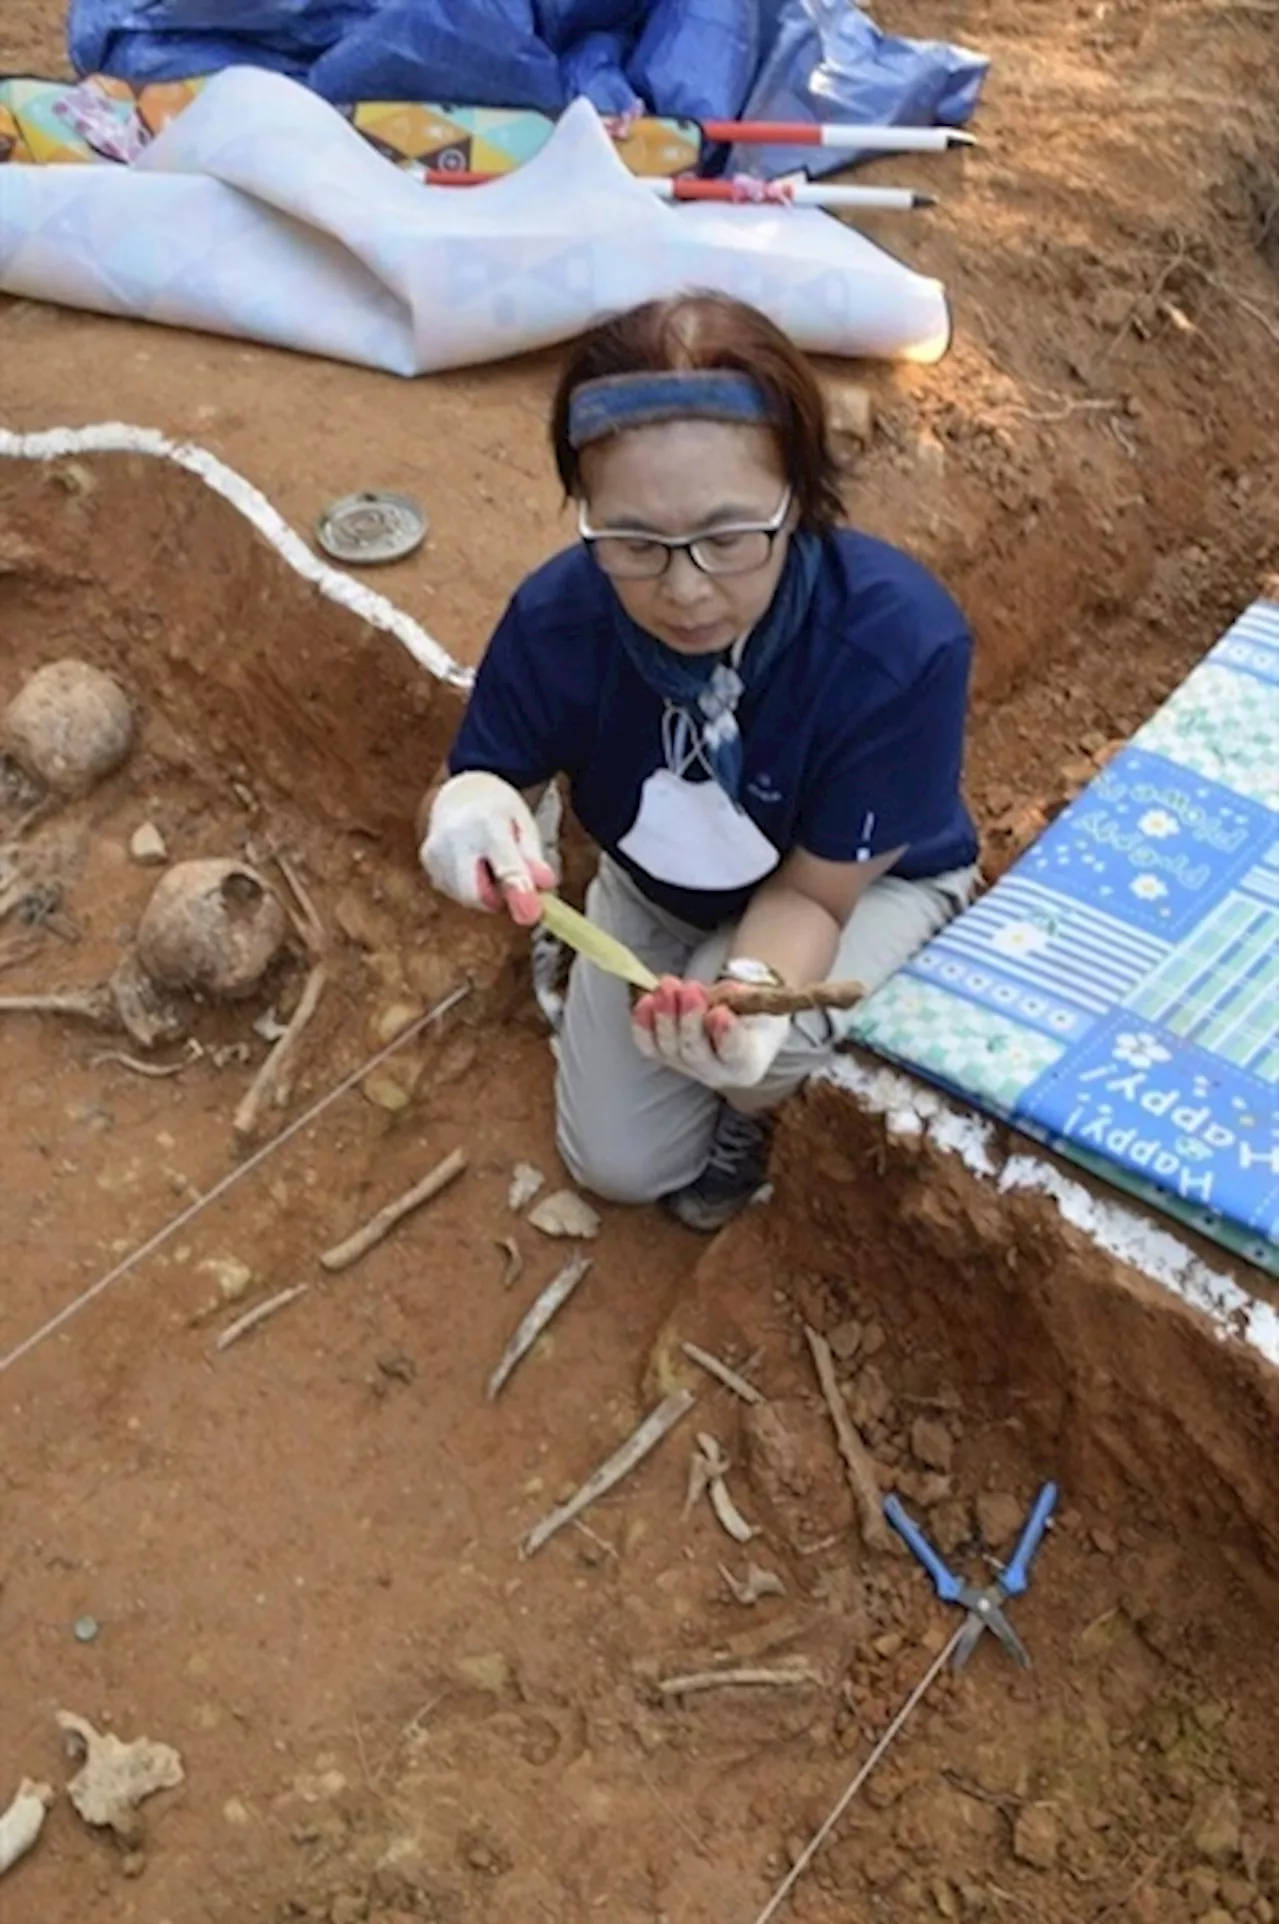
[(280, 702)]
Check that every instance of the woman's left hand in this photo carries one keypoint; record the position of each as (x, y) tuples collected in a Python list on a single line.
[(678, 1024)]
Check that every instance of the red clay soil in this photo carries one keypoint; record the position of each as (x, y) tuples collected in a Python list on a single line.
[(301, 1554)]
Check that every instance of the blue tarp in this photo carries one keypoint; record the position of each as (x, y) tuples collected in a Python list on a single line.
[(700, 59)]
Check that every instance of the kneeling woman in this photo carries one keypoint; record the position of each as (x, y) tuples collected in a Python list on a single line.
[(760, 716)]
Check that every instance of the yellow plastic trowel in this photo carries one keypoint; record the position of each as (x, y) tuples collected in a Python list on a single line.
[(605, 950)]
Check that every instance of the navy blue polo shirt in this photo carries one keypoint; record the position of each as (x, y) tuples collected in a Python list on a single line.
[(853, 744)]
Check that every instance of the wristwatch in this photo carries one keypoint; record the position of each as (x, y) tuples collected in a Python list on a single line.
[(755, 975)]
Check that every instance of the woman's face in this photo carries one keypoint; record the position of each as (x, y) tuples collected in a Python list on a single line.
[(687, 478)]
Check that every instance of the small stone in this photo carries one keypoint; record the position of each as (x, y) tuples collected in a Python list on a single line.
[(851, 410), (348, 1909), (147, 846), (526, 1181), (1035, 1837), (944, 1898), (949, 1527), (231, 1277), (931, 457), (235, 1812), (455, 1060), (1210, 1717), (385, 1091), (888, 1645), (133, 1863), (873, 1340), (392, 1021), (565, 1214), (1104, 1541), (932, 1444), (1000, 1517), (1237, 1893), (85, 1629), (1215, 1828), (932, 1489), (869, 1398), (845, 1339), (490, 1671), (1200, 1888), (1218, 1916)]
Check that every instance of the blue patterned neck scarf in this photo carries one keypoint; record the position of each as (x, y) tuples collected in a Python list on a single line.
[(708, 688)]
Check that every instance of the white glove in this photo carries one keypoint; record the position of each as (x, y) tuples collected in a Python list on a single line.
[(483, 849), (676, 1024)]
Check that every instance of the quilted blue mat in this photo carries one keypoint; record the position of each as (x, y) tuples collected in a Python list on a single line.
[(1115, 994)]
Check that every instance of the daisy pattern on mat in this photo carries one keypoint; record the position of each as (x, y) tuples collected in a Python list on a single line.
[(1020, 938), (1139, 1050), (1148, 888), (1157, 823)]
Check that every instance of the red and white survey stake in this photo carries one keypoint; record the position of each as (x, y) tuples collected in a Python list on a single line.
[(846, 135), (744, 190)]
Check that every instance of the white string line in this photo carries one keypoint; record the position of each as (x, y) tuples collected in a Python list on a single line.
[(229, 1181), (824, 1830)]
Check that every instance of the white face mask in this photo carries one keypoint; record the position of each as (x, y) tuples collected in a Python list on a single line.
[(690, 835)]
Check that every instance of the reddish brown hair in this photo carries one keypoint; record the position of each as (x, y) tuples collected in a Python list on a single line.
[(703, 331)]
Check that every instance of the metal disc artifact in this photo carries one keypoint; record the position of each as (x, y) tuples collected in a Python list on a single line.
[(371, 527)]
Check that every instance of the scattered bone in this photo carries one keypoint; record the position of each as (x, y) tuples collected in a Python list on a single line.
[(361, 1241), (553, 1297), (756, 1584), (861, 1470), (728, 1515), (145, 1010), (153, 1069), (68, 726), (662, 1418), (269, 1028), (723, 1374), (115, 1776), (796, 1676), (306, 920), (212, 928), (258, 1314), (699, 1477), (602, 1544), (566, 1214), (526, 1181), (707, 1472), (273, 1083), (147, 846), (228, 1055), (129, 1001), (22, 1822), (514, 1269)]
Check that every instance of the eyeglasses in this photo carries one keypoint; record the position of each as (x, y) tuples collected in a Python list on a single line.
[(739, 548)]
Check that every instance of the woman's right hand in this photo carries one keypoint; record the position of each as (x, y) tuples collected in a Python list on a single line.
[(483, 849)]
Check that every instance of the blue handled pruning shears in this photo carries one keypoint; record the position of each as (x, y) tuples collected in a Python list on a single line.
[(985, 1603)]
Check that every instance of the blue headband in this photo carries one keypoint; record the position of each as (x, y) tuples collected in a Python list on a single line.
[(618, 401)]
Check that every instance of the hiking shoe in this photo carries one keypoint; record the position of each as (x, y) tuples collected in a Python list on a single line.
[(737, 1169), (550, 960)]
